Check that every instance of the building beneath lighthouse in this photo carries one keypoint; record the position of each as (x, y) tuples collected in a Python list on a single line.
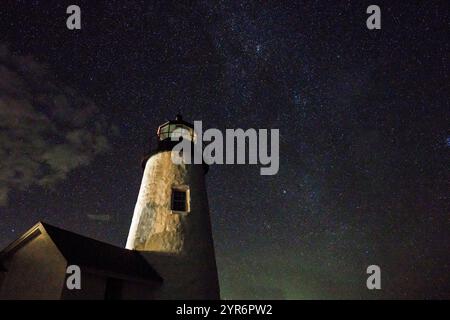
[(169, 251)]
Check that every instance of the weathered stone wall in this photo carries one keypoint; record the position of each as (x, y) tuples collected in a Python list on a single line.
[(187, 263)]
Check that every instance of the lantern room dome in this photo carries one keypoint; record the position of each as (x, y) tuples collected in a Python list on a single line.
[(175, 129)]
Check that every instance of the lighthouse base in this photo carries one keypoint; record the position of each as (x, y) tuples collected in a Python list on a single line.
[(184, 278)]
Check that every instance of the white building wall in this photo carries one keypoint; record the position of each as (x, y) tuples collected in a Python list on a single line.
[(36, 271)]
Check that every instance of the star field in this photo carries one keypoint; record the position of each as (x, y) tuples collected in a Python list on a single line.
[(363, 118)]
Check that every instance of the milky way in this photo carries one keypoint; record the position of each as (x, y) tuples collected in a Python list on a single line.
[(363, 118)]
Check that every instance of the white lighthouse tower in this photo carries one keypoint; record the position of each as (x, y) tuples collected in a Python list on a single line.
[(171, 221)]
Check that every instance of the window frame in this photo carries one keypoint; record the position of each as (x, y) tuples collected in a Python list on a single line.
[(185, 189)]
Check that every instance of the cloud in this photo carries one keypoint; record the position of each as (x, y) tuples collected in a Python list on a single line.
[(47, 129)]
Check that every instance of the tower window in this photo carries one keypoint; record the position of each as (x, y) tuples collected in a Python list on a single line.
[(180, 199)]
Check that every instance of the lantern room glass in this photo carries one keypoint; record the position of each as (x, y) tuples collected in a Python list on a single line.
[(175, 131)]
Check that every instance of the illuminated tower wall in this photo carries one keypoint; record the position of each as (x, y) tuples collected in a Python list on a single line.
[(171, 221)]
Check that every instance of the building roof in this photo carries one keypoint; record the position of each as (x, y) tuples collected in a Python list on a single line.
[(93, 254)]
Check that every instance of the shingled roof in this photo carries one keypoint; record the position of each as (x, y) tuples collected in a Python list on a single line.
[(93, 254)]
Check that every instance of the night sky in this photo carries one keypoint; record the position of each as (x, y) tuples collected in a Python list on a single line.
[(364, 132)]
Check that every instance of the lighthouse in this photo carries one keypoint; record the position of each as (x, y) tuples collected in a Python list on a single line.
[(171, 222)]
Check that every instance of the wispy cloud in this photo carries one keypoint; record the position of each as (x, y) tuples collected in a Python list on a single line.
[(47, 129)]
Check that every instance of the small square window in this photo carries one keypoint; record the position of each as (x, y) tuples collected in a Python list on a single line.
[(180, 201)]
